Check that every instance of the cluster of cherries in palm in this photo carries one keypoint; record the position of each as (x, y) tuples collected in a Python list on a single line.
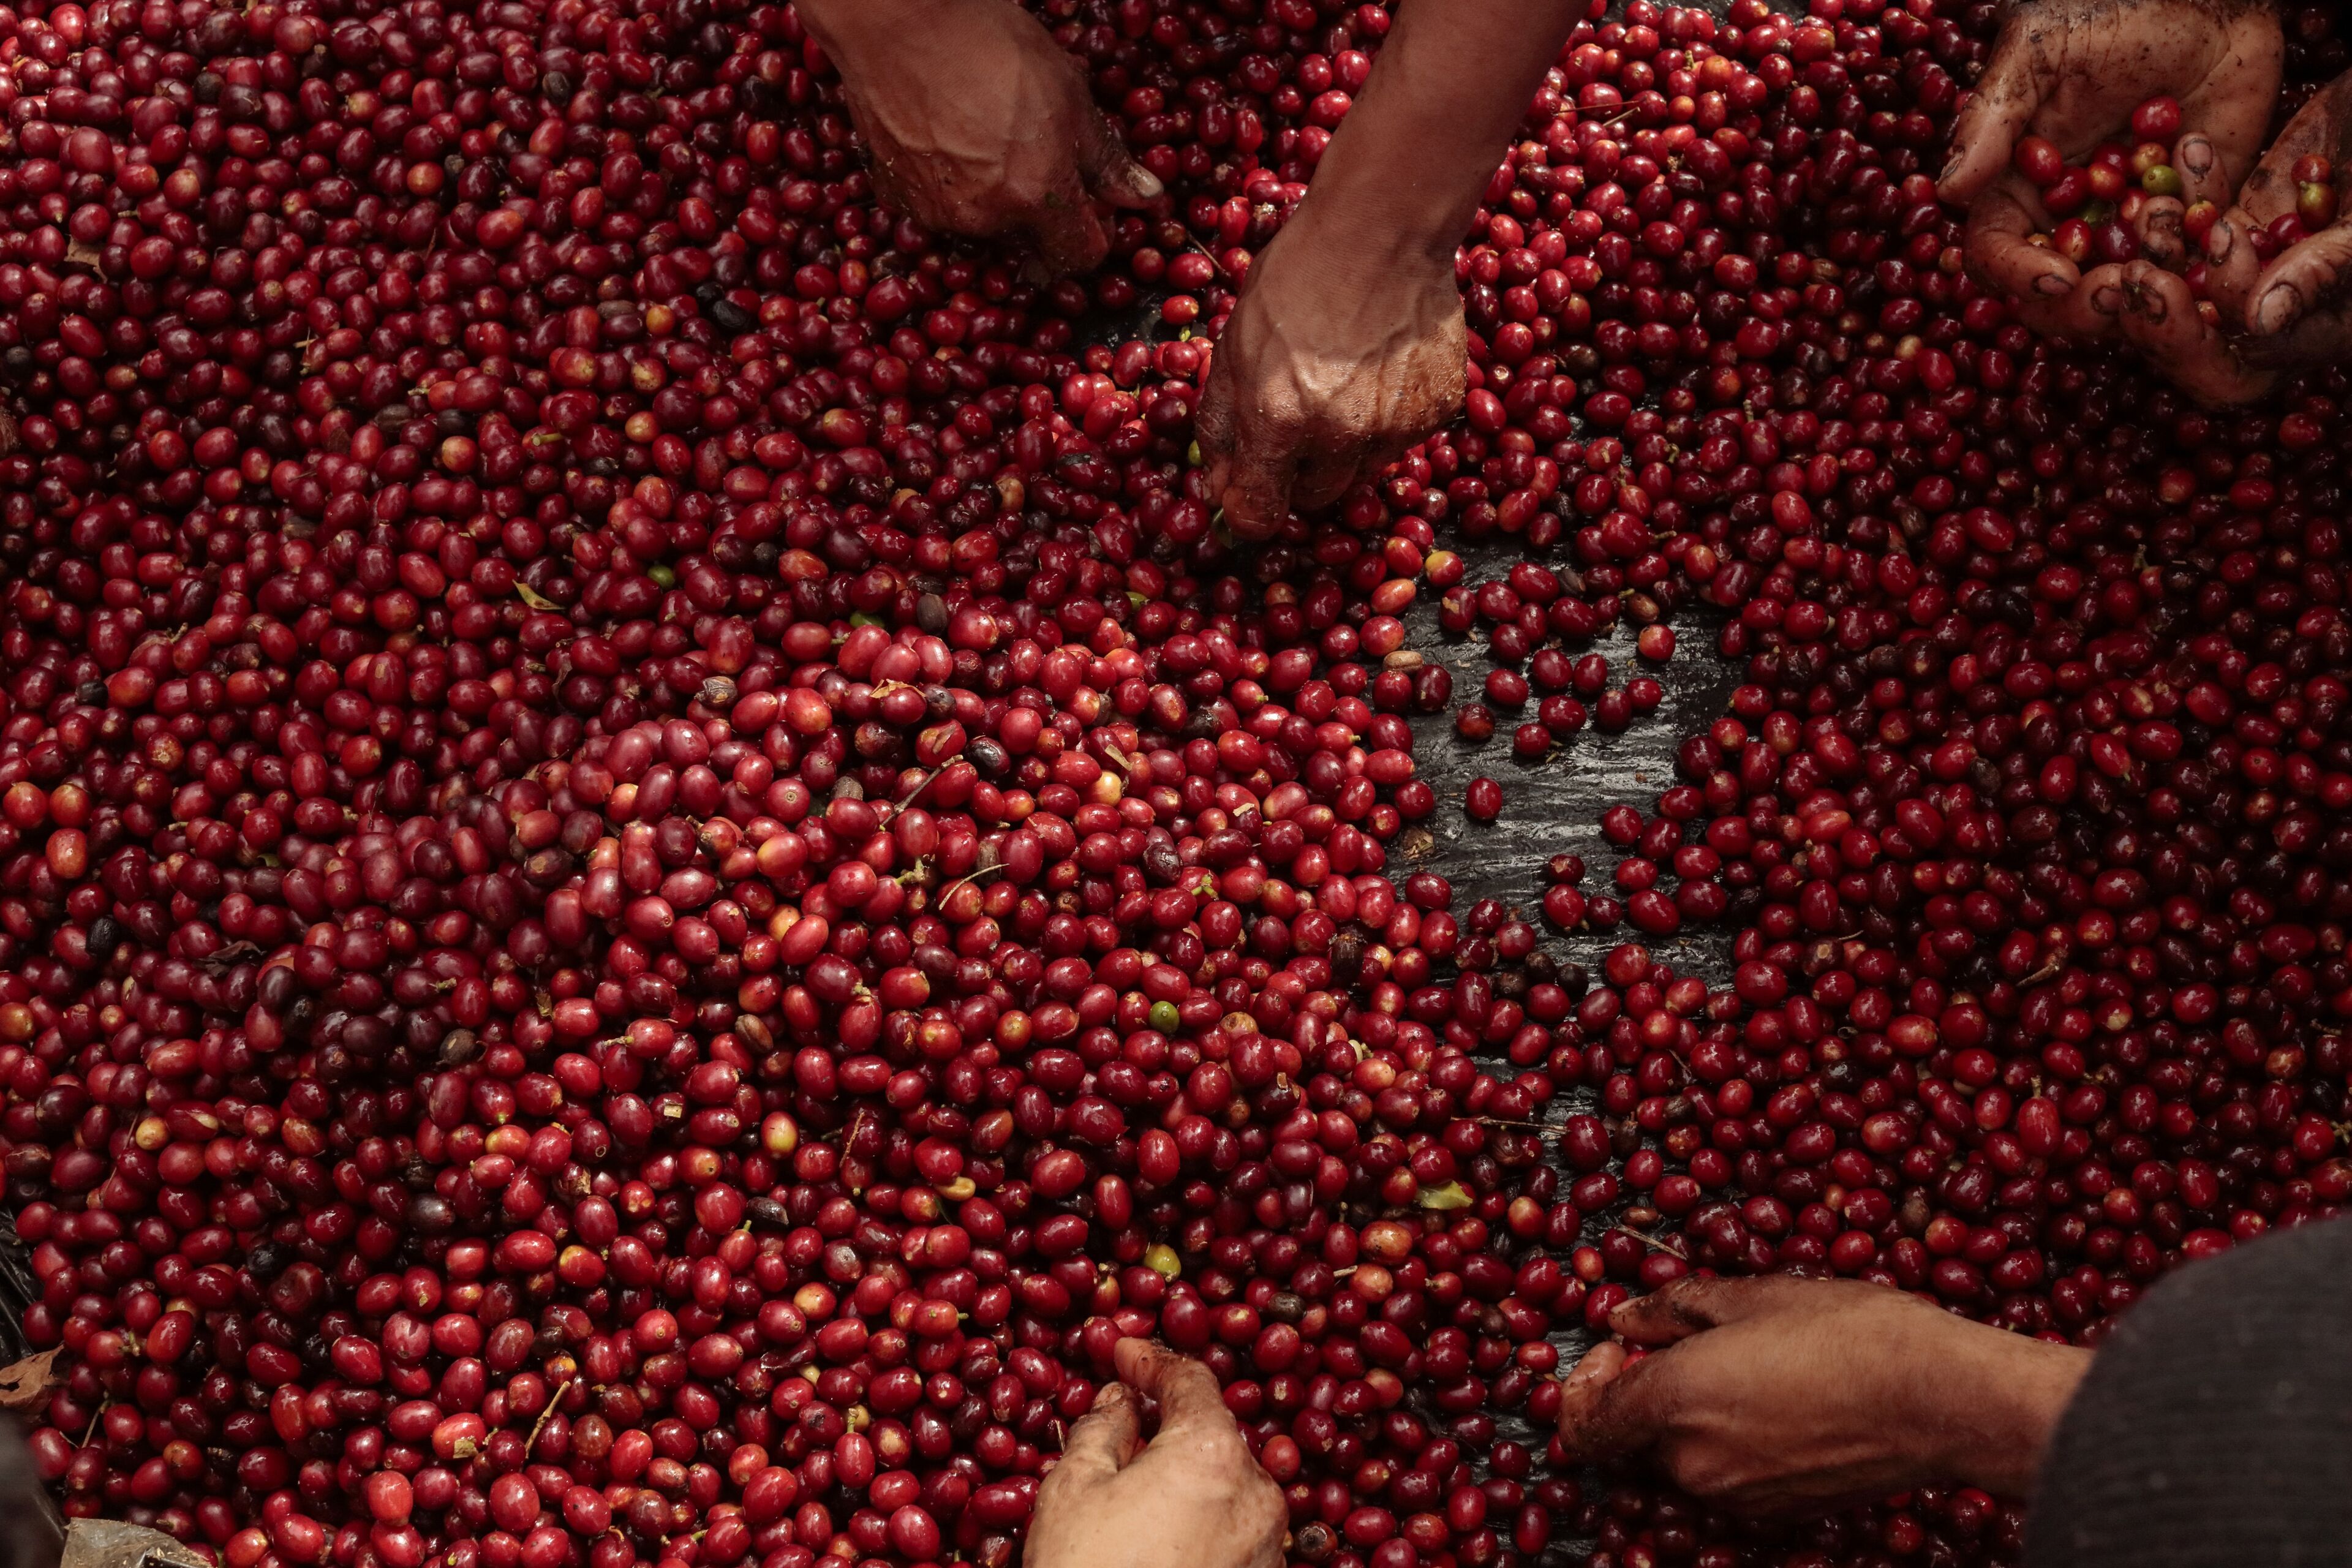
[(657, 871), (2099, 204)]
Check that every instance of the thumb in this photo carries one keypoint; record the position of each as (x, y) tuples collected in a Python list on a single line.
[(1069, 236), (2233, 266), (1103, 1439), (2310, 272), (2161, 320), (1185, 1390), (1987, 128), (1602, 1408), (1255, 491), (1110, 171)]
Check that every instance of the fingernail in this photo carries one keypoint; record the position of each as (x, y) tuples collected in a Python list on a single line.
[(1148, 183), (2106, 299), (2277, 307), (2050, 285), (2218, 240), (2197, 155), (1950, 169)]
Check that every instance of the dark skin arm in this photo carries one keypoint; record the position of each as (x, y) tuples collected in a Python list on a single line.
[(1785, 1396), (978, 123), (1349, 344)]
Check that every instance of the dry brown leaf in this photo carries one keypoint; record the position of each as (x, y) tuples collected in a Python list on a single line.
[(25, 1384)]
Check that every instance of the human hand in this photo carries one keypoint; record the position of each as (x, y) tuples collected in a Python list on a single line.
[(2272, 313), (2300, 288), (2101, 300), (1191, 1497), (978, 123), (2073, 72), (1334, 362), (1783, 1396)]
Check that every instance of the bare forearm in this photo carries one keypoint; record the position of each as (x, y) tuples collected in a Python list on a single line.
[(2020, 1389), (1453, 81), (850, 28)]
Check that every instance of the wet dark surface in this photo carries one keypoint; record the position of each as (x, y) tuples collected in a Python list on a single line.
[(1555, 804), (18, 1291)]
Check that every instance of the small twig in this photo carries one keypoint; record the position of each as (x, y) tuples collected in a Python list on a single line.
[(1209, 255), (1652, 1242), (916, 793), (970, 876), (541, 1425)]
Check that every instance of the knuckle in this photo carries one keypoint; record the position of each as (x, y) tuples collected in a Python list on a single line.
[(1198, 1380), (1700, 1474), (1199, 1451)]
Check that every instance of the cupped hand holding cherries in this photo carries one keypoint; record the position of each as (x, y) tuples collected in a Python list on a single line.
[(2126, 201), (2278, 260), (2207, 284), (2109, 163)]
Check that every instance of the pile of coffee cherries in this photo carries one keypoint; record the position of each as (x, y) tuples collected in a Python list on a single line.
[(657, 869), (2099, 204)]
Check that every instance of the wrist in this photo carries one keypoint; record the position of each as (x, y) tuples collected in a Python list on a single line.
[(855, 30), (1364, 240), (1377, 207), (2013, 1390)]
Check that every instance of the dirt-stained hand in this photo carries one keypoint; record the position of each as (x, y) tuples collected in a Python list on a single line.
[(978, 123), (2073, 72), (2296, 306), (1327, 371)]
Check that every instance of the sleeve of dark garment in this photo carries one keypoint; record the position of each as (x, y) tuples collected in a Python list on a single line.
[(2214, 1429)]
